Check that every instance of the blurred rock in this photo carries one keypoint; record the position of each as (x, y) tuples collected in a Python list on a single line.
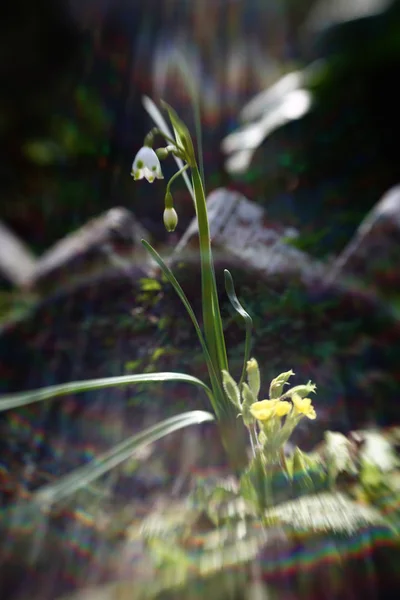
[(109, 241), (373, 255), (17, 262), (241, 230)]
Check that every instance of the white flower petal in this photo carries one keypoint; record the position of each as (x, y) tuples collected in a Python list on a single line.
[(146, 164)]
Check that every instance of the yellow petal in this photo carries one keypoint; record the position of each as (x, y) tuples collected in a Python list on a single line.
[(282, 408), (263, 410), (304, 406)]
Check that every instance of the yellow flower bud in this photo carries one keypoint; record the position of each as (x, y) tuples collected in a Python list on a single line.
[(253, 376)]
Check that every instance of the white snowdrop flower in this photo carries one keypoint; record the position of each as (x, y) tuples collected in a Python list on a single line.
[(146, 164)]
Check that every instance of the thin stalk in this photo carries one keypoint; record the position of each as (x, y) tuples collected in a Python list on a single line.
[(230, 290), (175, 176), (283, 463), (252, 443), (253, 438)]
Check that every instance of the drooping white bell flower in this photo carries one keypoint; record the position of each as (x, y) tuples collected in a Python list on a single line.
[(146, 164)]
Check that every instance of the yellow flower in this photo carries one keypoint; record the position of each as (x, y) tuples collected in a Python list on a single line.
[(263, 410), (282, 408), (303, 406), (266, 409)]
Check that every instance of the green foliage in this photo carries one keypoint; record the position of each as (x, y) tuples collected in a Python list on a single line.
[(225, 523), (10, 401), (121, 452), (72, 137), (182, 136), (15, 306), (150, 285), (233, 299), (256, 484)]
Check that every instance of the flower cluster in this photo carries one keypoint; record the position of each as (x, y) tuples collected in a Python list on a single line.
[(292, 404), (266, 409)]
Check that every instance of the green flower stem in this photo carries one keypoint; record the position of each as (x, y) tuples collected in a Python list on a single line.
[(148, 140), (252, 429), (283, 463), (175, 176)]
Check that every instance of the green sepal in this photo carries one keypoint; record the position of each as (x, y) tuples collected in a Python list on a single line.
[(301, 390), (231, 389), (276, 387), (248, 400)]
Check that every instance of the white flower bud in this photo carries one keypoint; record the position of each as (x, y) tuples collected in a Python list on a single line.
[(170, 219)]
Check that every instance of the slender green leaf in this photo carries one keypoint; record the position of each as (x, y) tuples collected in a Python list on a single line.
[(230, 290), (161, 123), (82, 476), (178, 289), (182, 134), (21, 399)]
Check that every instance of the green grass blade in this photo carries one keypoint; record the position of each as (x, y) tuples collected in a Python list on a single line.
[(85, 475), (154, 112), (230, 290), (10, 401), (178, 289)]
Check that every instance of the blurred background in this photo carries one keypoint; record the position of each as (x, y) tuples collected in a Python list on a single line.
[(72, 118), (299, 105)]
